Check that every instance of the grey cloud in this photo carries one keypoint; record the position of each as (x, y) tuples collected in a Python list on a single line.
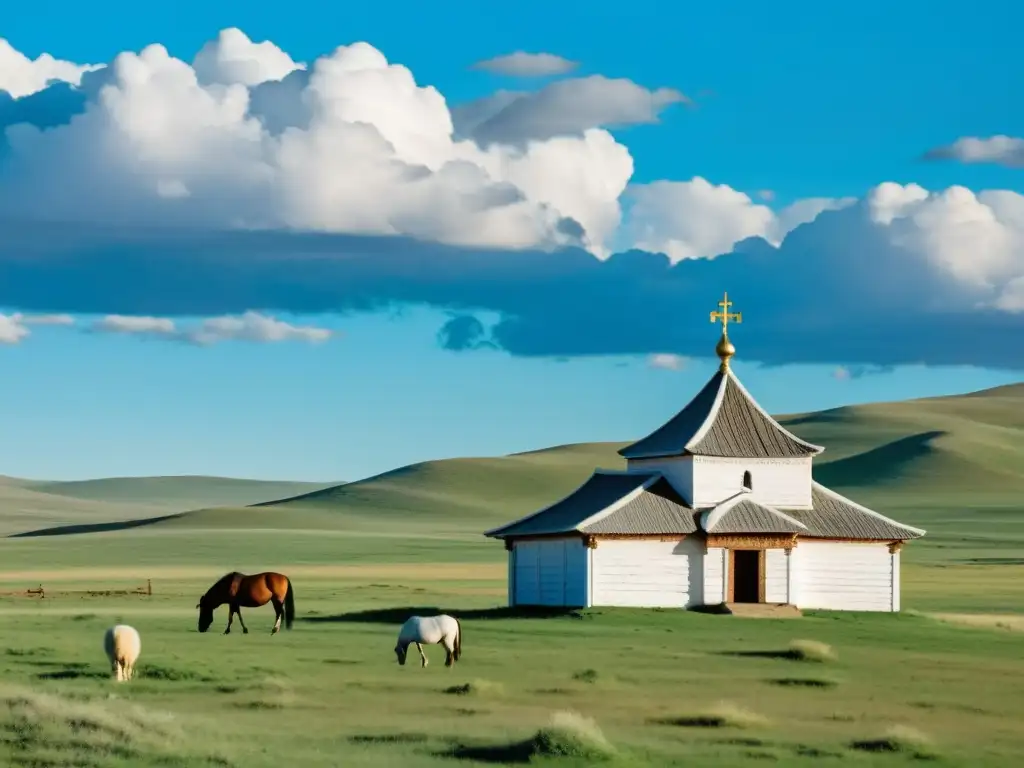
[(523, 64), (998, 150), (563, 108), (832, 293)]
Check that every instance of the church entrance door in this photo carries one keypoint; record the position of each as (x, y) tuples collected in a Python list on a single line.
[(746, 575)]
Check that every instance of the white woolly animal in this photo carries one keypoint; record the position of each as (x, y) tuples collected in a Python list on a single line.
[(122, 644), (443, 630)]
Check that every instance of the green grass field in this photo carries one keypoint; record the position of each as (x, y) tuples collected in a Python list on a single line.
[(941, 680)]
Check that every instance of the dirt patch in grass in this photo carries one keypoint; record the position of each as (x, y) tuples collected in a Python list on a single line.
[(721, 715), (389, 738), (1001, 621), (172, 674), (476, 688)]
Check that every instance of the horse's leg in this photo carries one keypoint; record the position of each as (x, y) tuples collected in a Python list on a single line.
[(245, 629), (279, 613), (423, 656), (231, 618), (449, 650)]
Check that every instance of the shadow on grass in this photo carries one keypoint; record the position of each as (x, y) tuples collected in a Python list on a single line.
[(398, 615), (72, 672), (788, 655), (69, 530), (499, 754)]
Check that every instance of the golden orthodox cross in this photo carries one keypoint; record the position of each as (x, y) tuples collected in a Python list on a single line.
[(725, 315)]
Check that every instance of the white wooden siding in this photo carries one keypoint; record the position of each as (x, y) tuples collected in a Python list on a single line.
[(647, 574), (896, 587), (776, 482), (843, 577), (550, 572), (776, 576), (714, 575), (678, 470)]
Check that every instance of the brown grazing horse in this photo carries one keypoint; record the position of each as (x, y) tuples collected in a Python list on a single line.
[(238, 590)]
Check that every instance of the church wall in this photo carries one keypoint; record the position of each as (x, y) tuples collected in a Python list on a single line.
[(777, 482), (776, 576), (844, 576), (647, 573), (678, 470), (549, 572), (714, 575)]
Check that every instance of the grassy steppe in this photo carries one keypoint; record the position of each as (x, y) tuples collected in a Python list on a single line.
[(941, 680)]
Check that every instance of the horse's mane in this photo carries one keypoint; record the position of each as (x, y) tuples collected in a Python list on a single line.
[(222, 581)]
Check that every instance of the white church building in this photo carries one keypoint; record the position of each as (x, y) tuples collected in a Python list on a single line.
[(717, 507)]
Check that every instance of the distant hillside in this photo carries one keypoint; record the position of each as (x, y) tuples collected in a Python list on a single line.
[(962, 451), (34, 504), (185, 491)]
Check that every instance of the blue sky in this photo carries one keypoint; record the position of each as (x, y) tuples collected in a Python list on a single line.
[(793, 102)]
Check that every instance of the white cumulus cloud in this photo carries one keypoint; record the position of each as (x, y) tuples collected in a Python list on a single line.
[(139, 324), (253, 326), (690, 219), (245, 137), (14, 328), (234, 58), (21, 76), (667, 361), (249, 326), (523, 64)]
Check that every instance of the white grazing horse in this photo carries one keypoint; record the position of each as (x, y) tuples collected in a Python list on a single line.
[(445, 630), (122, 644)]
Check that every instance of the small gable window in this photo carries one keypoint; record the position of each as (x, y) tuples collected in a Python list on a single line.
[(748, 481)]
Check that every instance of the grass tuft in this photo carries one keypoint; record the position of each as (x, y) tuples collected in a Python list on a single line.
[(721, 715), (572, 735), (47, 730), (811, 650), (568, 735), (586, 676), (900, 739)]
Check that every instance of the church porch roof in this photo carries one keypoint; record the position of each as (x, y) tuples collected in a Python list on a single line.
[(613, 503), (741, 514)]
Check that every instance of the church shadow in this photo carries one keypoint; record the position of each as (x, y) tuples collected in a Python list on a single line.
[(398, 614)]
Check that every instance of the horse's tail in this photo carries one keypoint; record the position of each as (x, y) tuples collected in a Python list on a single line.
[(289, 606), (458, 640)]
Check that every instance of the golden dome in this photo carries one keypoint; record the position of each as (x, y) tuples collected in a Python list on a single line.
[(725, 350)]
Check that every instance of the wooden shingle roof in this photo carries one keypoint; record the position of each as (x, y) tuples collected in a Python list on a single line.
[(625, 503), (721, 420), (742, 515), (834, 516)]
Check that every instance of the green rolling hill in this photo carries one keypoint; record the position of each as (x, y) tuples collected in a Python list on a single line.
[(932, 462), (34, 504)]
